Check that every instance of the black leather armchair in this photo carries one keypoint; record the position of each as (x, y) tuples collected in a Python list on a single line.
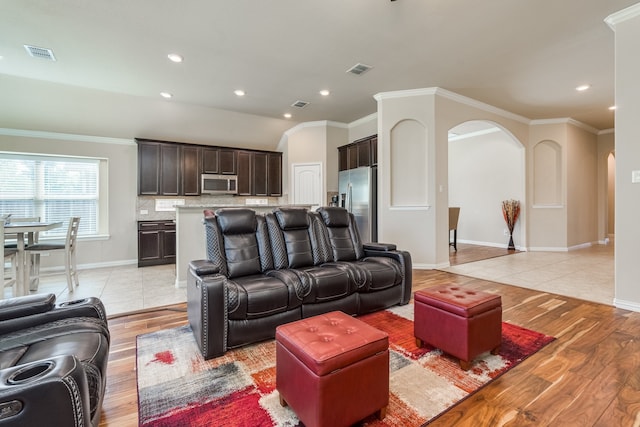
[(53, 361)]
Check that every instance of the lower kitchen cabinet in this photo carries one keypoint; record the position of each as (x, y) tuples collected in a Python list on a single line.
[(156, 243)]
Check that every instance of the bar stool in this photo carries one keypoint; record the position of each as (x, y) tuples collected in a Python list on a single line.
[(69, 248)]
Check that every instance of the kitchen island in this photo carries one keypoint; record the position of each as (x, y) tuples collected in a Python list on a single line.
[(190, 234)]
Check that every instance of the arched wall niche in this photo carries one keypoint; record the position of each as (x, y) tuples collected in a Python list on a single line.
[(547, 174), (408, 161)]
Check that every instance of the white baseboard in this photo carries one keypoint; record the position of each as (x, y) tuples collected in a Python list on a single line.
[(60, 269), (626, 305), (421, 266)]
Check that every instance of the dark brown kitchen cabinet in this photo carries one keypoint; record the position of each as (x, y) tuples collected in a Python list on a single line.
[(274, 174), (244, 172), (259, 174), (210, 162), (343, 161), (169, 170), (363, 152), (156, 243), (148, 168), (191, 159), (228, 161)]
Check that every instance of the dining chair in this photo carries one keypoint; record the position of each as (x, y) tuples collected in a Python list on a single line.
[(454, 213), (69, 248), (9, 256)]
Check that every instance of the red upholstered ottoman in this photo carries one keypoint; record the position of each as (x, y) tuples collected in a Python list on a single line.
[(461, 322), (332, 369)]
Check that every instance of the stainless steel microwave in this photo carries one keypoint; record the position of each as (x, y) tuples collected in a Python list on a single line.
[(219, 184)]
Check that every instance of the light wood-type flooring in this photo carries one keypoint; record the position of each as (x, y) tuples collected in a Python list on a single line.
[(589, 376)]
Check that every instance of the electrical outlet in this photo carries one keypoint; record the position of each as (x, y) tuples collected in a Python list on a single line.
[(506, 232)]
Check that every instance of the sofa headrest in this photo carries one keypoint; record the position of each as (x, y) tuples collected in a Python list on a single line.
[(292, 218), (334, 216), (237, 221)]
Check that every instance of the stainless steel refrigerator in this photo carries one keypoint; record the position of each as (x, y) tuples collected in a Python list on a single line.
[(358, 193)]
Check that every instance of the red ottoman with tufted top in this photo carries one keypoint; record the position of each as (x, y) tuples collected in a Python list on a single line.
[(461, 322), (332, 369)]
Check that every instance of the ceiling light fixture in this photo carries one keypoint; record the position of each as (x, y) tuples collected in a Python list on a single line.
[(166, 95), (174, 57), (239, 92), (582, 88), (287, 115), (324, 92)]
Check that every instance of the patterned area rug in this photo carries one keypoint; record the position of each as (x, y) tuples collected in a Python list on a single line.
[(177, 387)]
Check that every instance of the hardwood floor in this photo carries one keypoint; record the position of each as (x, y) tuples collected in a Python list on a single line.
[(589, 376)]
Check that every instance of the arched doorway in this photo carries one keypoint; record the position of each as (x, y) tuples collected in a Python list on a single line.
[(486, 166)]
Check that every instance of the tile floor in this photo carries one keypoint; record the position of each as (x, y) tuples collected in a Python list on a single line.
[(585, 273)]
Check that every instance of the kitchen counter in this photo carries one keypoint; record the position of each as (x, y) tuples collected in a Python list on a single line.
[(190, 234)]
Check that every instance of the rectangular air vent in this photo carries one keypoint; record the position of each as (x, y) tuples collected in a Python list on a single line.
[(40, 52), (359, 69), (300, 104)]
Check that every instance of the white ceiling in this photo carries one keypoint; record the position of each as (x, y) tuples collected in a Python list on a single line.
[(523, 56)]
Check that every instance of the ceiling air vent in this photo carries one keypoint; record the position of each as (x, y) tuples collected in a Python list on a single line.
[(300, 104), (359, 69), (40, 52)]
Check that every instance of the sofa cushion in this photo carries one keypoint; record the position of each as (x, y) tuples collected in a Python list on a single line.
[(334, 216), (292, 218), (326, 283), (236, 221), (255, 296)]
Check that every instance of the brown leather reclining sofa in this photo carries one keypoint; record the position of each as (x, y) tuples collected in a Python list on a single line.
[(264, 270), (53, 361)]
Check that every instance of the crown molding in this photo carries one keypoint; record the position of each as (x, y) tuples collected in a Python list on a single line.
[(622, 16), (567, 121), (363, 120), (319, 123), (65, 136), (454, 97)]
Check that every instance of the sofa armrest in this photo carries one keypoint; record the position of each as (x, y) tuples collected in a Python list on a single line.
[(207, 312), (375, 246), (26, 306), (85, 307), (406, 266), (203, 267), (31, 394)]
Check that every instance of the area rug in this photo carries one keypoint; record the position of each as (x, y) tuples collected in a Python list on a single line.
[(177, 387)]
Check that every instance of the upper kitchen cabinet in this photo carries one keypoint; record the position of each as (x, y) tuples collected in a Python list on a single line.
[(274, 174), (228, 161), (210, 160), (245, 173), (148, 168), (158, 168), (191, 162), (363, 152)]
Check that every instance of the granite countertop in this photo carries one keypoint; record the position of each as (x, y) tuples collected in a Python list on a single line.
[(215, 206)]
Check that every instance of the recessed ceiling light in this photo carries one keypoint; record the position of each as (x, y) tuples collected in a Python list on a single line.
[(239, 92), (175, 57), (287, 115), (324, 92), (583, 88), (613, 107), (166, 95)]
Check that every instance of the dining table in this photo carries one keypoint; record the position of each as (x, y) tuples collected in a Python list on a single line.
[(28, 229)]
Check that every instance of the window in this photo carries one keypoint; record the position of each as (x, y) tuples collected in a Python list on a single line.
[(52, 188)]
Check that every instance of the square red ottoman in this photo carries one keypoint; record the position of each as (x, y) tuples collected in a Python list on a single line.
[(461, 322), (332, 369)]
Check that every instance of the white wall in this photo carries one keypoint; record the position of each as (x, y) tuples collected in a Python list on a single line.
[(121, 246), (627, 69), (484, 170)]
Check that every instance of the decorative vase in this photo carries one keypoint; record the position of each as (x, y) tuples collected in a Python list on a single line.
[(511, 245)]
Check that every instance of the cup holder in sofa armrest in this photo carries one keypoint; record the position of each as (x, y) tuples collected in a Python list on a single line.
[(31, 372), (73, 302), (385, 247)]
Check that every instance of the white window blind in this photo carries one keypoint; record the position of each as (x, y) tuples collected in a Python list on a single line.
[(52, 188)]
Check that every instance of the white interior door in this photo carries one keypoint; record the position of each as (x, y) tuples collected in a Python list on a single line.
[(307, 184)]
